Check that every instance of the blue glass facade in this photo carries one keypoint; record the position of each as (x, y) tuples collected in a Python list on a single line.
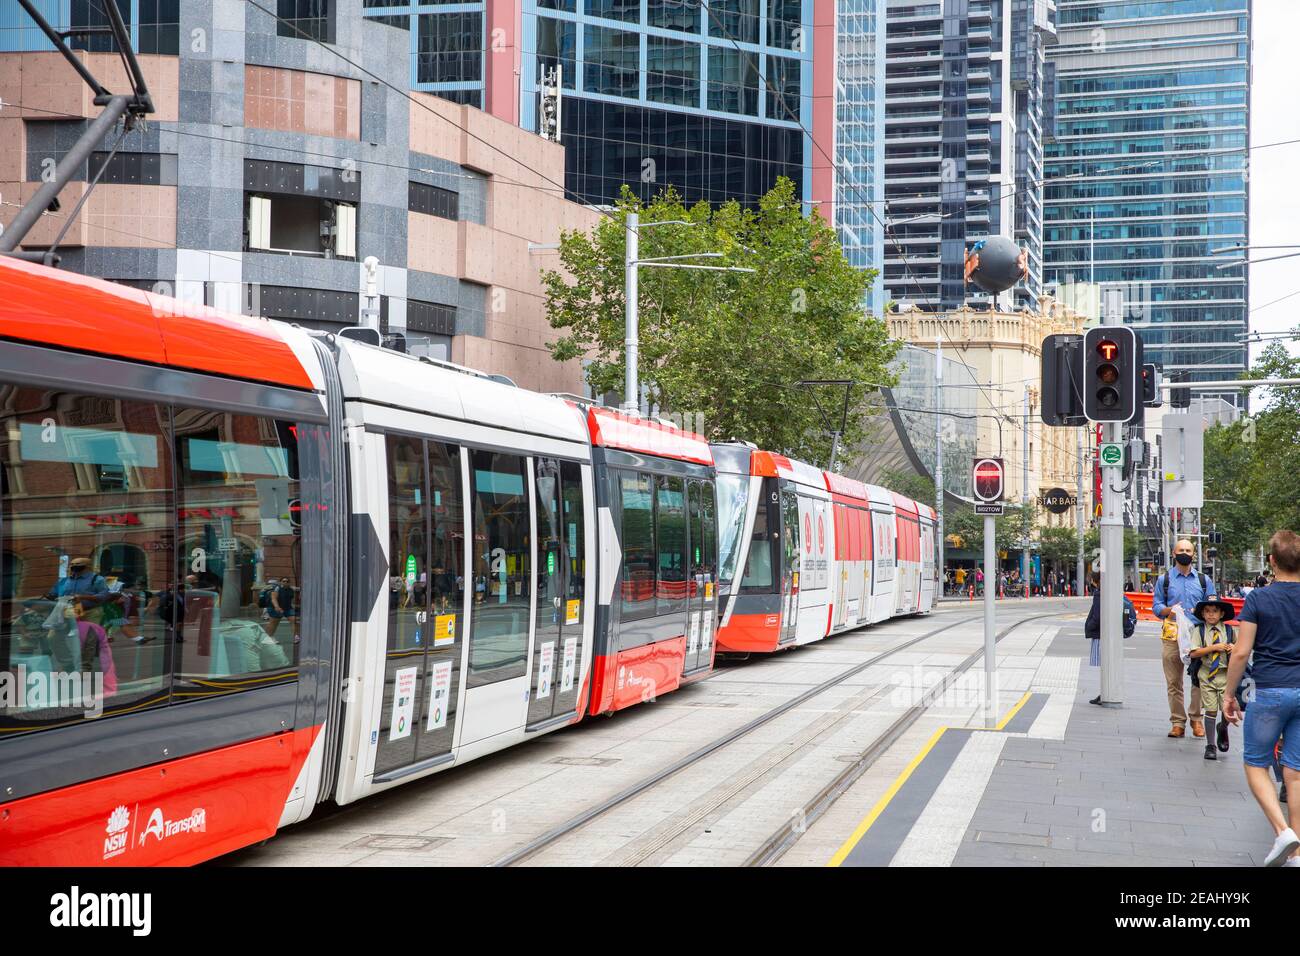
[(860, 138), (1147, 174)]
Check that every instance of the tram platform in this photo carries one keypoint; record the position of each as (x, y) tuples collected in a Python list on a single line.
[(865, 749), (1059, 782)]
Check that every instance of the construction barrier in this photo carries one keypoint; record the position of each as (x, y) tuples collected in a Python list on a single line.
[(1142, 601)]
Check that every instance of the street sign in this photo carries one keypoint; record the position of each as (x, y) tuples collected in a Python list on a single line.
[(1112, 454), (1182, 466), (982, 508), (1058, 501), (988, 479)]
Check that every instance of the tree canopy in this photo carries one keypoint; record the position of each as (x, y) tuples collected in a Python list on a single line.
[(725, 351)]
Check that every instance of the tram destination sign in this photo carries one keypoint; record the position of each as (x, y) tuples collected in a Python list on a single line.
[(1057, 500)]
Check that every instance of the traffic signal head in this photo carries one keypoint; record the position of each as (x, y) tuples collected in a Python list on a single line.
[(1110, 373), (1151, 385), (1062, 386), (1180, 397), (987, 479)]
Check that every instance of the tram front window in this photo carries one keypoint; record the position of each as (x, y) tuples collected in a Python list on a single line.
[(733, 497)]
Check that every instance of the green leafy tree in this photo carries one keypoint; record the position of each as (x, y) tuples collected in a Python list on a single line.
[(728, 346), (1059, 546), (910, 484), (1010, 529), (1092, 547)]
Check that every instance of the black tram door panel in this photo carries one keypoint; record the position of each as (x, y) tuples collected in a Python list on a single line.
[(791, 551), (426, 601), (561, 601), (702, 594)]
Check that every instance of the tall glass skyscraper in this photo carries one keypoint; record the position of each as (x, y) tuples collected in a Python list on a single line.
[(860, 137), (965, 99), (1149, 158)]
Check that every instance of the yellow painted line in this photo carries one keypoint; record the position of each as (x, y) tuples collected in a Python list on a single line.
[(887, 797), (884, 801)]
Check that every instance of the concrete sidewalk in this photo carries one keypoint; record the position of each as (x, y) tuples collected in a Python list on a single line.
[(1115, 790)]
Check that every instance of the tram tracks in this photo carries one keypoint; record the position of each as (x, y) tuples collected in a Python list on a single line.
[(670, 831)]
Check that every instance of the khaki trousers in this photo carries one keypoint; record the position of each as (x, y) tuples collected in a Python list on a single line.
[(1176, 679)]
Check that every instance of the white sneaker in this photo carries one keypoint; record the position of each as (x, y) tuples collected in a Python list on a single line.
[(1294, 861), (1283, 846)]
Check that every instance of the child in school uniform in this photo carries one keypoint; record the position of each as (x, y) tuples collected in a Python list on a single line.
[(1211, 644)]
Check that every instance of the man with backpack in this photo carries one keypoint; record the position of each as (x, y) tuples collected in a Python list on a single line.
[(1180, 586)]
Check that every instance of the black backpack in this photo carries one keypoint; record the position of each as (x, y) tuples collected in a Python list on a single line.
[(1130, 618)]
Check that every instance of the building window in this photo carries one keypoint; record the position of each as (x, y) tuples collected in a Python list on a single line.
[(306, 19), (733, 81), (433, 201), (300, 225), (557, 42), (472, 98), (322, 309), (672, 71), (738, 19), (135, 169), (628, 10), (783, 98), (91, 14), (450, 48), (784, 30), (430, 317), (159, 30), (612, 60), (681, 15)]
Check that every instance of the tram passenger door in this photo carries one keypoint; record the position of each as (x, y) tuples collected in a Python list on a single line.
[(702, 588), (561, 603), (426, 580), (790, 566)]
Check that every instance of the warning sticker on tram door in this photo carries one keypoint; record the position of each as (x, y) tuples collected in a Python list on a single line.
[(441, 696), (399, 724), (693, 633), (444, 630), (572, 612), (544, 670), (706, 630), (570, 663)]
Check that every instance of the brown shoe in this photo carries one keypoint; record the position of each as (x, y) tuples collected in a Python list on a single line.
[(1178, 731), (1198, 728)]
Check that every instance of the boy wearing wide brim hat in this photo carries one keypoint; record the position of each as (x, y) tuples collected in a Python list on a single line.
[(1211, 644)]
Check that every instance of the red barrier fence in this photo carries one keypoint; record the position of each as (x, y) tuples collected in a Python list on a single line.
[(1142, 601)]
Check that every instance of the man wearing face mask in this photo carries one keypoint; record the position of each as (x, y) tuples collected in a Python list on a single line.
[(1181, 586)]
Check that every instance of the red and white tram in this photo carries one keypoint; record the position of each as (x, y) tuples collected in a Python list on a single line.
[(247, 569)]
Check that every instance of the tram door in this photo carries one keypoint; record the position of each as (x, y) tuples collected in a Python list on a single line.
[(790, 566), (561, 603), (426, 600), (702, 588)]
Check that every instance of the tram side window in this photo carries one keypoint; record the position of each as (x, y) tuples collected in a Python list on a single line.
[(502, 582), (238, 543), (670, 538), (86, 495), (637, 493), (758, 566)]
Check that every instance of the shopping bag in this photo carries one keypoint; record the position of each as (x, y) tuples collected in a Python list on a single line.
[(1185, 625)]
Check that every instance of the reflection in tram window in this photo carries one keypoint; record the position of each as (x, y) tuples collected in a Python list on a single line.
[(575, 538), (638, 545), (758, 565), (237, 534), (670, 528), (86, 548), (502, 583), (733, 496)]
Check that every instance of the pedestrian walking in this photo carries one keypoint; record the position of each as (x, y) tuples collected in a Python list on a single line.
[(1270, 628), (1185, 587), (1211, 646), (1092, 625)]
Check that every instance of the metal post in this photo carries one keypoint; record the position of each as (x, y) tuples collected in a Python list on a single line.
[(1112, 565), (1024, 501), (938, 453), (1078, 475), (990, 648), (631, 388)]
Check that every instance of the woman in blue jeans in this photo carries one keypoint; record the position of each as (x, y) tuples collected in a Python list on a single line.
[(1270, 627)]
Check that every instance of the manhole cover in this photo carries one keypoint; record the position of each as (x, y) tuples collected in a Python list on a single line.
[(388, 841), (584, 761)]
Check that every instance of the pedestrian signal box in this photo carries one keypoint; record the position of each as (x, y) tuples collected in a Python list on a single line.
[(988, 479)]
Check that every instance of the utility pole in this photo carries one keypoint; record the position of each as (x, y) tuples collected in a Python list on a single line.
[(938, 452), (631, 331), (1024, 502), (1112, 563), (1078, 475)]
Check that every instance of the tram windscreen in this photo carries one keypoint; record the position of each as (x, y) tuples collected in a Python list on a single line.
[(733, 496)]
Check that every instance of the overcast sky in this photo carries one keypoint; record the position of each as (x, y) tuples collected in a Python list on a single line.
[(1274, 196)]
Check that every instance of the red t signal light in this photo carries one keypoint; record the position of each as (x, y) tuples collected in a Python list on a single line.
[(1107, 350), (987, 479)]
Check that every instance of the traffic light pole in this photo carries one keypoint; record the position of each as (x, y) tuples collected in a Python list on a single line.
[(1112, 566), (990, 628)]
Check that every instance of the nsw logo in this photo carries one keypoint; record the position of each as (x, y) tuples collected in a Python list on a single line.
[(118, 823)]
